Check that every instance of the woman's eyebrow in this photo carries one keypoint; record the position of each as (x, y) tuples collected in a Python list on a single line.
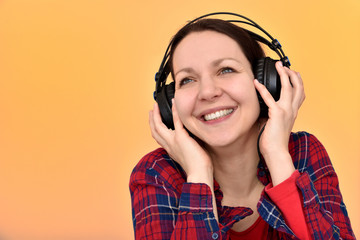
[(187, 70), (217, 62), (214, 63)]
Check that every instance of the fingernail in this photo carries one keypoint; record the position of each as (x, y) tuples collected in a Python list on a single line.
[(280, 63)]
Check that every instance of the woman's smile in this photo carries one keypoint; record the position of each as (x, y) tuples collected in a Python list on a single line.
[(217, 115)]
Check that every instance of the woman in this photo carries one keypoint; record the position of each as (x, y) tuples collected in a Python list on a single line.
[(211, 184)]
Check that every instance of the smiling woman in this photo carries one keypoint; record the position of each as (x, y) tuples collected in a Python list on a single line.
[(227, 170), (221, 81)]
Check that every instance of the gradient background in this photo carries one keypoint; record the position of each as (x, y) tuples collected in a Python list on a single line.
[(76, 82)]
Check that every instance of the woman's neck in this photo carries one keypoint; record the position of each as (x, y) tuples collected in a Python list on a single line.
[(236, 167)]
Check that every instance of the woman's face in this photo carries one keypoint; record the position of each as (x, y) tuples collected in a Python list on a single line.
[(215, 94)]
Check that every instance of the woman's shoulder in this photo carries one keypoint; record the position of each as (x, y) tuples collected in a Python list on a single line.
[(307, 152), (156, 167), (152, 158), (302, 136), (303, 141)]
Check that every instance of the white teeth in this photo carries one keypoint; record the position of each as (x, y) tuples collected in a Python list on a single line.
[(217, 114)]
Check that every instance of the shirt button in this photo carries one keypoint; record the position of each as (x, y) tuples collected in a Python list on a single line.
[(215, 236)]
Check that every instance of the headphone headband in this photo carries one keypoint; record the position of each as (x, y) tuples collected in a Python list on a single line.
[(274, 44), (264, 69)]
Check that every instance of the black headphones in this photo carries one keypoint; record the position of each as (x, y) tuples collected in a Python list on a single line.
[(265, 71)]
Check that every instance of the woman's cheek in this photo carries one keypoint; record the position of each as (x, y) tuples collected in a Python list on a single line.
[(183, 105)]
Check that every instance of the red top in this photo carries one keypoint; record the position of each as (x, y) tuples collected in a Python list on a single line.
[(258, 230)]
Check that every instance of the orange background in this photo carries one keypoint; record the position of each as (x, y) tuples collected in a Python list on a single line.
[(76, 82)]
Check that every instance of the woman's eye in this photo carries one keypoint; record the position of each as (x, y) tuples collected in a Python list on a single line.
[(185, 81), (226, 70)]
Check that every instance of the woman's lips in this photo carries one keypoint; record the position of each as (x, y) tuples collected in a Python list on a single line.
[(217, 113)]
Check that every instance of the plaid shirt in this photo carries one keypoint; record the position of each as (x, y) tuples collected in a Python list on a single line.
[(165, 206)]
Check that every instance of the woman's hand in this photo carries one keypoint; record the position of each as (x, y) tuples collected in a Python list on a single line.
[(184, 149), (181, 147), (282, 114)]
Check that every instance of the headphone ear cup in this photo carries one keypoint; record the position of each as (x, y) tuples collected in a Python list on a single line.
[(266, 74), (165, 95)]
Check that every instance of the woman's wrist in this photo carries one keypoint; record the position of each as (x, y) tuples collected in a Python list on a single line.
[(206, 177), (280, 166), (202, 176)]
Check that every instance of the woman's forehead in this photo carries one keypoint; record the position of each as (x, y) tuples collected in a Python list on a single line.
[(206, 46)]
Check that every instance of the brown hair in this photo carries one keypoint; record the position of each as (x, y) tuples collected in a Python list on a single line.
[(248, 45)]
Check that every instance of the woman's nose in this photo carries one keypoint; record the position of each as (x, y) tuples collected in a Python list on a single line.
[(209, 89)]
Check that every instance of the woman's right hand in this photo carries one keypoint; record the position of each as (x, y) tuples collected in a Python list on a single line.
[(181, 147), (195, 161)]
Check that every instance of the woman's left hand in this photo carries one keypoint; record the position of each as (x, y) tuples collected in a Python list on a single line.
[(282, 114)]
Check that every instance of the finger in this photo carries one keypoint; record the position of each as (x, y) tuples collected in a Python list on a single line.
[(293, 77), (297, 89), (177, 122), (265, 94), (286, 88), (299, 93), (160, 127), (154, 133)]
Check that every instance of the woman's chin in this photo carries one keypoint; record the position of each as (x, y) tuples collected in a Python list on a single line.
[(217, 142)]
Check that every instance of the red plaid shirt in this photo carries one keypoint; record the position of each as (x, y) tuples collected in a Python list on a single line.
[(165, 206)]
